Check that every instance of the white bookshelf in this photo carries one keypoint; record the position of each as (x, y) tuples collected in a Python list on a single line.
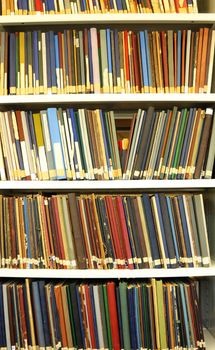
[(118, 100), (111, 185), (109, 18), (108, 98), (108, 274)]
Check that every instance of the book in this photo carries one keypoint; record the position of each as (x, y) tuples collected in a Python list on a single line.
[(95, 60)]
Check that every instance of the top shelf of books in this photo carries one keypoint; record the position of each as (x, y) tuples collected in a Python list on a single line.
[(108, 18)]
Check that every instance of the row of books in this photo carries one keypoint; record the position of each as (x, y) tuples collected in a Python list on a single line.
[(107, 61), (104, 231), (56, 144), (32, 7), (147, 315)]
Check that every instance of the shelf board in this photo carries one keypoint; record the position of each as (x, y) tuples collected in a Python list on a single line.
[(107, 98), (108, 274), (114, 185), (206, 18), (209, 340)]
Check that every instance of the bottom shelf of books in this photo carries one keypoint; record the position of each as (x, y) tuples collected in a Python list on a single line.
[(125, 314)]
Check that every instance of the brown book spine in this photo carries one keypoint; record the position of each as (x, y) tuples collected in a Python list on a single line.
[(152, 63), (183, 57), (78, 237), (204, 142), (192, 144), (165, 61)]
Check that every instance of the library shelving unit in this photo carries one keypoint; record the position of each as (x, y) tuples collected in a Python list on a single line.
[(206, 276)]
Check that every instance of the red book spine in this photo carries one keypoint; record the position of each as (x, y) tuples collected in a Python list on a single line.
[(112, 222), (126, 242), (38, 6), (113, 315), (126, 59), (22, 313), (136, 62)]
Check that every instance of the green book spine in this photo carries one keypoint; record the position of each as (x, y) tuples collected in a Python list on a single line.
[(125, 321), (107, 317), (180, 143)]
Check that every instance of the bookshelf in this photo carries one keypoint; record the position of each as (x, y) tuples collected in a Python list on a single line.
[(154, 18), (205, 275)]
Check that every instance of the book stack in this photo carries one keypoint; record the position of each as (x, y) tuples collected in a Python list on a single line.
[(32, 7), (104, 231), (147, 315), (56, 144), (107, 61)]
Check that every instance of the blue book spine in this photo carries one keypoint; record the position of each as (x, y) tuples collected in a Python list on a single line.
[(148, 59), (52, 60), (35, 55), (26, 223), (38, 314), (56, 320), (51, 5), (151, 228), (56, 142), (173, 229), (80, 317), (94, 316), (119, 5), (185, 316), (19, 4), (111, 5), (25, 5), (179, 59), (185, 230), (108, 39), (45, 319), (162, 228), (47, 8), (148, 140), (49, 79), (57, 62), (144, 59), (131, 319), (19, 153)]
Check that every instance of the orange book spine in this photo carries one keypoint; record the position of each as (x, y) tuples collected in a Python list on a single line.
[(203, 60), (199, 56)]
